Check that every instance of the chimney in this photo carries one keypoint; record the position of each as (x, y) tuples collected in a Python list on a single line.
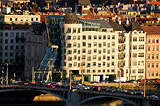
[(119, 22), (127, 21)]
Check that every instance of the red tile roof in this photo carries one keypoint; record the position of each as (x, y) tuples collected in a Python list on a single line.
[(151, 30)]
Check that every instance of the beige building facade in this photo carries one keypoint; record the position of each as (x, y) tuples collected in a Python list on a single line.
[(152, 52)]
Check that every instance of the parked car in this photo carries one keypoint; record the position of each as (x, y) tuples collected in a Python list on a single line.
[(153, 96), (139, 92)]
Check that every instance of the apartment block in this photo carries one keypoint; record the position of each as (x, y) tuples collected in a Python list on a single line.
[(152, 51)]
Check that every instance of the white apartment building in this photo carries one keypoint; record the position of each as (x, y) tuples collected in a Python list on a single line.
[(90, 46), (101, 49), (20, 19), (135, 43)]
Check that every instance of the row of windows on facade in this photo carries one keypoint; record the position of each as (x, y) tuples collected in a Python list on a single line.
[(153, 65), (153, 41), (134, 71), (139, 63), (88, 57), (89, 51), (21, 19), (75, 64), (11, 41), (90, 37), (12, 27), (140, 39), (139, 55), (153, 56), (75, 44), (152, 74), (71, 30), (139, 47), (12, 47), (12, 34), (153, 48), (7, 61)]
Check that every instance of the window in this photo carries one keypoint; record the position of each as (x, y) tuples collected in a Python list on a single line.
[(108, 36), (156, 65), (68, 37), (156, 73), (134, 54), (100, 45), (113, 50), (68, 30), (84, 43), (94, 57), (74, 37), (104, 50), (113, 36), (100, 37), (148, 56), (153, 41), (152, 73), (108, 44), (95, 50), (83, 57), (89, 51), (89, 58), (95, 37), (152, 65), (134, 38), (113, 43), (104, 63), (140, 54), (12, 34), (6, 34), (83, 50), (133, 71), (94, 63), (108, 51), (74, 30), (94, 71), (84, 37), (78, 38), (108, 57), (157, 48), (141, 46), (108, 64), (99, 51), (152, 56), (88, 71), (89, 44), (89, 37), (134, 47), (74, 44), (112, 56), (104, 43), (94, 43), (79, 30), (140, 70), (157, 56), (148, 65), (104, 36), (99, 58), (104, 57), (149, 40), (99, 64), (157, 41), (141, 38), (153, 48), (148, 48)]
